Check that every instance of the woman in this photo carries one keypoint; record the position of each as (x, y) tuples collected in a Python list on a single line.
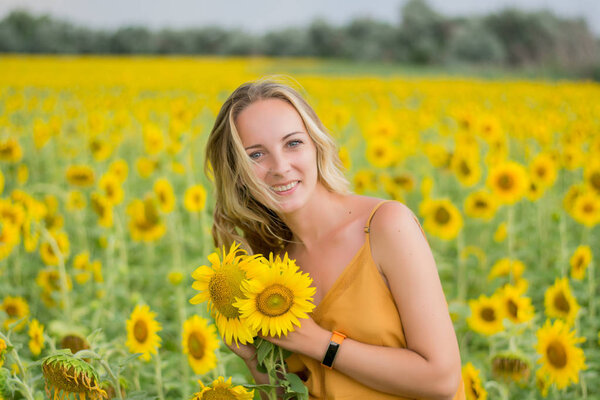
[(379, 301)]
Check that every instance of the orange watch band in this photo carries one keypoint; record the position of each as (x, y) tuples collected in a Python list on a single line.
[(334, 343)]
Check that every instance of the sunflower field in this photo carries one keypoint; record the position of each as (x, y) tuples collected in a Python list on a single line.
[(105, 213)]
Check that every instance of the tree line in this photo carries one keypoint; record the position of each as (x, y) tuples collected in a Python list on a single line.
[(509, 37)]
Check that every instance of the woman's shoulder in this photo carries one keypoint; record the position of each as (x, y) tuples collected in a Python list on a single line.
[(392, 221)]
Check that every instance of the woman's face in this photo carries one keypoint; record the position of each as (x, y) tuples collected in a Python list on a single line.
[(284, 156)]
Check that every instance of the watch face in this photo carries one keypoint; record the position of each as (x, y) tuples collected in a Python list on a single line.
[(330, 354)]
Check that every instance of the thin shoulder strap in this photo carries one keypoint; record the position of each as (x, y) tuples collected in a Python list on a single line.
[(368, 227)]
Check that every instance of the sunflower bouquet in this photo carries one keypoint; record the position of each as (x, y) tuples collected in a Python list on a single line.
[(251, 294)]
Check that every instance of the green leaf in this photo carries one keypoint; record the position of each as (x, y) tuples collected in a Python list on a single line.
[(296, 384), (264, 349)]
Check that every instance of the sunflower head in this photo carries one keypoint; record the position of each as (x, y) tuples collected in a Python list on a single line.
[(68, 374), (200, 342), (474, 389), (222, 389), (142, 332), (74, 342), (511, 366)]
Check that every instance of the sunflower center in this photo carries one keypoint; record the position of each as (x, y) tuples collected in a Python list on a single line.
[(588, 208), (196, 345), (488, 314), (556, 354), (442, 215), (219, 394), (11, 310), (481, 204), (541, 172), (224, 286), (505, 182), (595, 180), (512, 308), (578, 264), (140, 331), (275, 300), (464, 168), (561, 303)]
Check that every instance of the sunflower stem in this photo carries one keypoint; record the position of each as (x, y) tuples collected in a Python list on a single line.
[(158, 376), (183, 358), (24, 389), (62, 273), (113, 377), (591, 280), (462, 271), (511, 243), (22, 370)]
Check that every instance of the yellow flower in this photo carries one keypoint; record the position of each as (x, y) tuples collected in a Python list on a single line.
[(75, 201), (486, 315), (165, 195), (48, 280), (15, 308), (474, 390), (36, 337), (381, 152), (175, 277), (222, 389), (572, 194), (517, 307), (511, 366), (9, 238), (10, 150), (101, 149), (500, 234), (276, 297), (534, 191), (110, 187), (364, 180), (542, 170), (195, 198), (561, 359), (481, 204), (586, 209), (145, 166), (22, 175), (559, 301), (80, 175), (580, 260), (442, 218), (142, 330), (65, 375), (466, 168), (3, 348), (508, 182), (83, 267), (591, 176), (200, 342), (154, 141), (438, 155), (120, 169), (145, 222), (426, 187), (220, 285), (47, 250), (507, 267), (102, 207)]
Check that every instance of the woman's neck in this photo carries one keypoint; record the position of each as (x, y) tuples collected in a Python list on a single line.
[(322, 214)]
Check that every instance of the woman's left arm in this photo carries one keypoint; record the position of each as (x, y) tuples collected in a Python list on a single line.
[(430, 365)]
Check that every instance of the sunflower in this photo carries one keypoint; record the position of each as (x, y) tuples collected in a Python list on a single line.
[(48, 280), (381, 152), (591, 176), (572, 194), (12, 213), (364, 180), (561, 359), (49, 257), (102, 206), (80, 175), (74, 342), (481, 204), (586, 209), (3, 348), (223, 390), (75, 201), (508, 182), (511, 366), (110, 187), (543, 170), (16, 308), (200, 342), (466, 168), (220, 285), (36, 337), (517, 307), (559, 301), (500, 233), (474, 390), (438, 155), (442, 218), (10, 150), (486, 315), (580, 260), (194, 199), (541, 382), (165, 195), (154, 140), (276, 297), (145, 166), (507, 267), (9, 238), (120, 169), (142, 331), (145, 222), (65, 375)]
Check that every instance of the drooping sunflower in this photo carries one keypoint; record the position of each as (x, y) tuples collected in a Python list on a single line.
[(80, 175), (508, 182), (561, 359), (36, 337), (65, 375), (165, 195), (194, 199), (74, 342), (16, 308), (511, 366), (517, 308), (277, 296), (486, 315), (442, 218), (481, 204), (200, 342), (560, 302), (220, 285), (142, 329), (586, 209), (222, 389), (579, 261), (474, 390)]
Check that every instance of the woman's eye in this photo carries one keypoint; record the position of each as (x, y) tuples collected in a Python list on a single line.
[(256, 155), (294, 143)]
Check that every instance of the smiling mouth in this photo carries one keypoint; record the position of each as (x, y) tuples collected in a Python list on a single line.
[(284, 187)]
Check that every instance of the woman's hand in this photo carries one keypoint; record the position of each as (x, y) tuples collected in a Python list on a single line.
[(308, 339), (246, 352)]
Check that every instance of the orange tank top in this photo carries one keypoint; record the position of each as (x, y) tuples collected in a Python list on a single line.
[(360, 305)]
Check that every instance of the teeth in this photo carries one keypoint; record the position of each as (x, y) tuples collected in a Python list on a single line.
[(286, 187)]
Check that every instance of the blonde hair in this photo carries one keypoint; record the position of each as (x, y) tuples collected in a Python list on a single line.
[(246, 208)]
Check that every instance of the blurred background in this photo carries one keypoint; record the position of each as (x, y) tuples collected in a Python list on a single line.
[(559, 38)]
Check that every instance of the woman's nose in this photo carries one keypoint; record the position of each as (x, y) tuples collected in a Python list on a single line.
[(279, 164)]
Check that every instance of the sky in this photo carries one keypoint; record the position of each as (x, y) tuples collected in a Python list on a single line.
[(259, 16)]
